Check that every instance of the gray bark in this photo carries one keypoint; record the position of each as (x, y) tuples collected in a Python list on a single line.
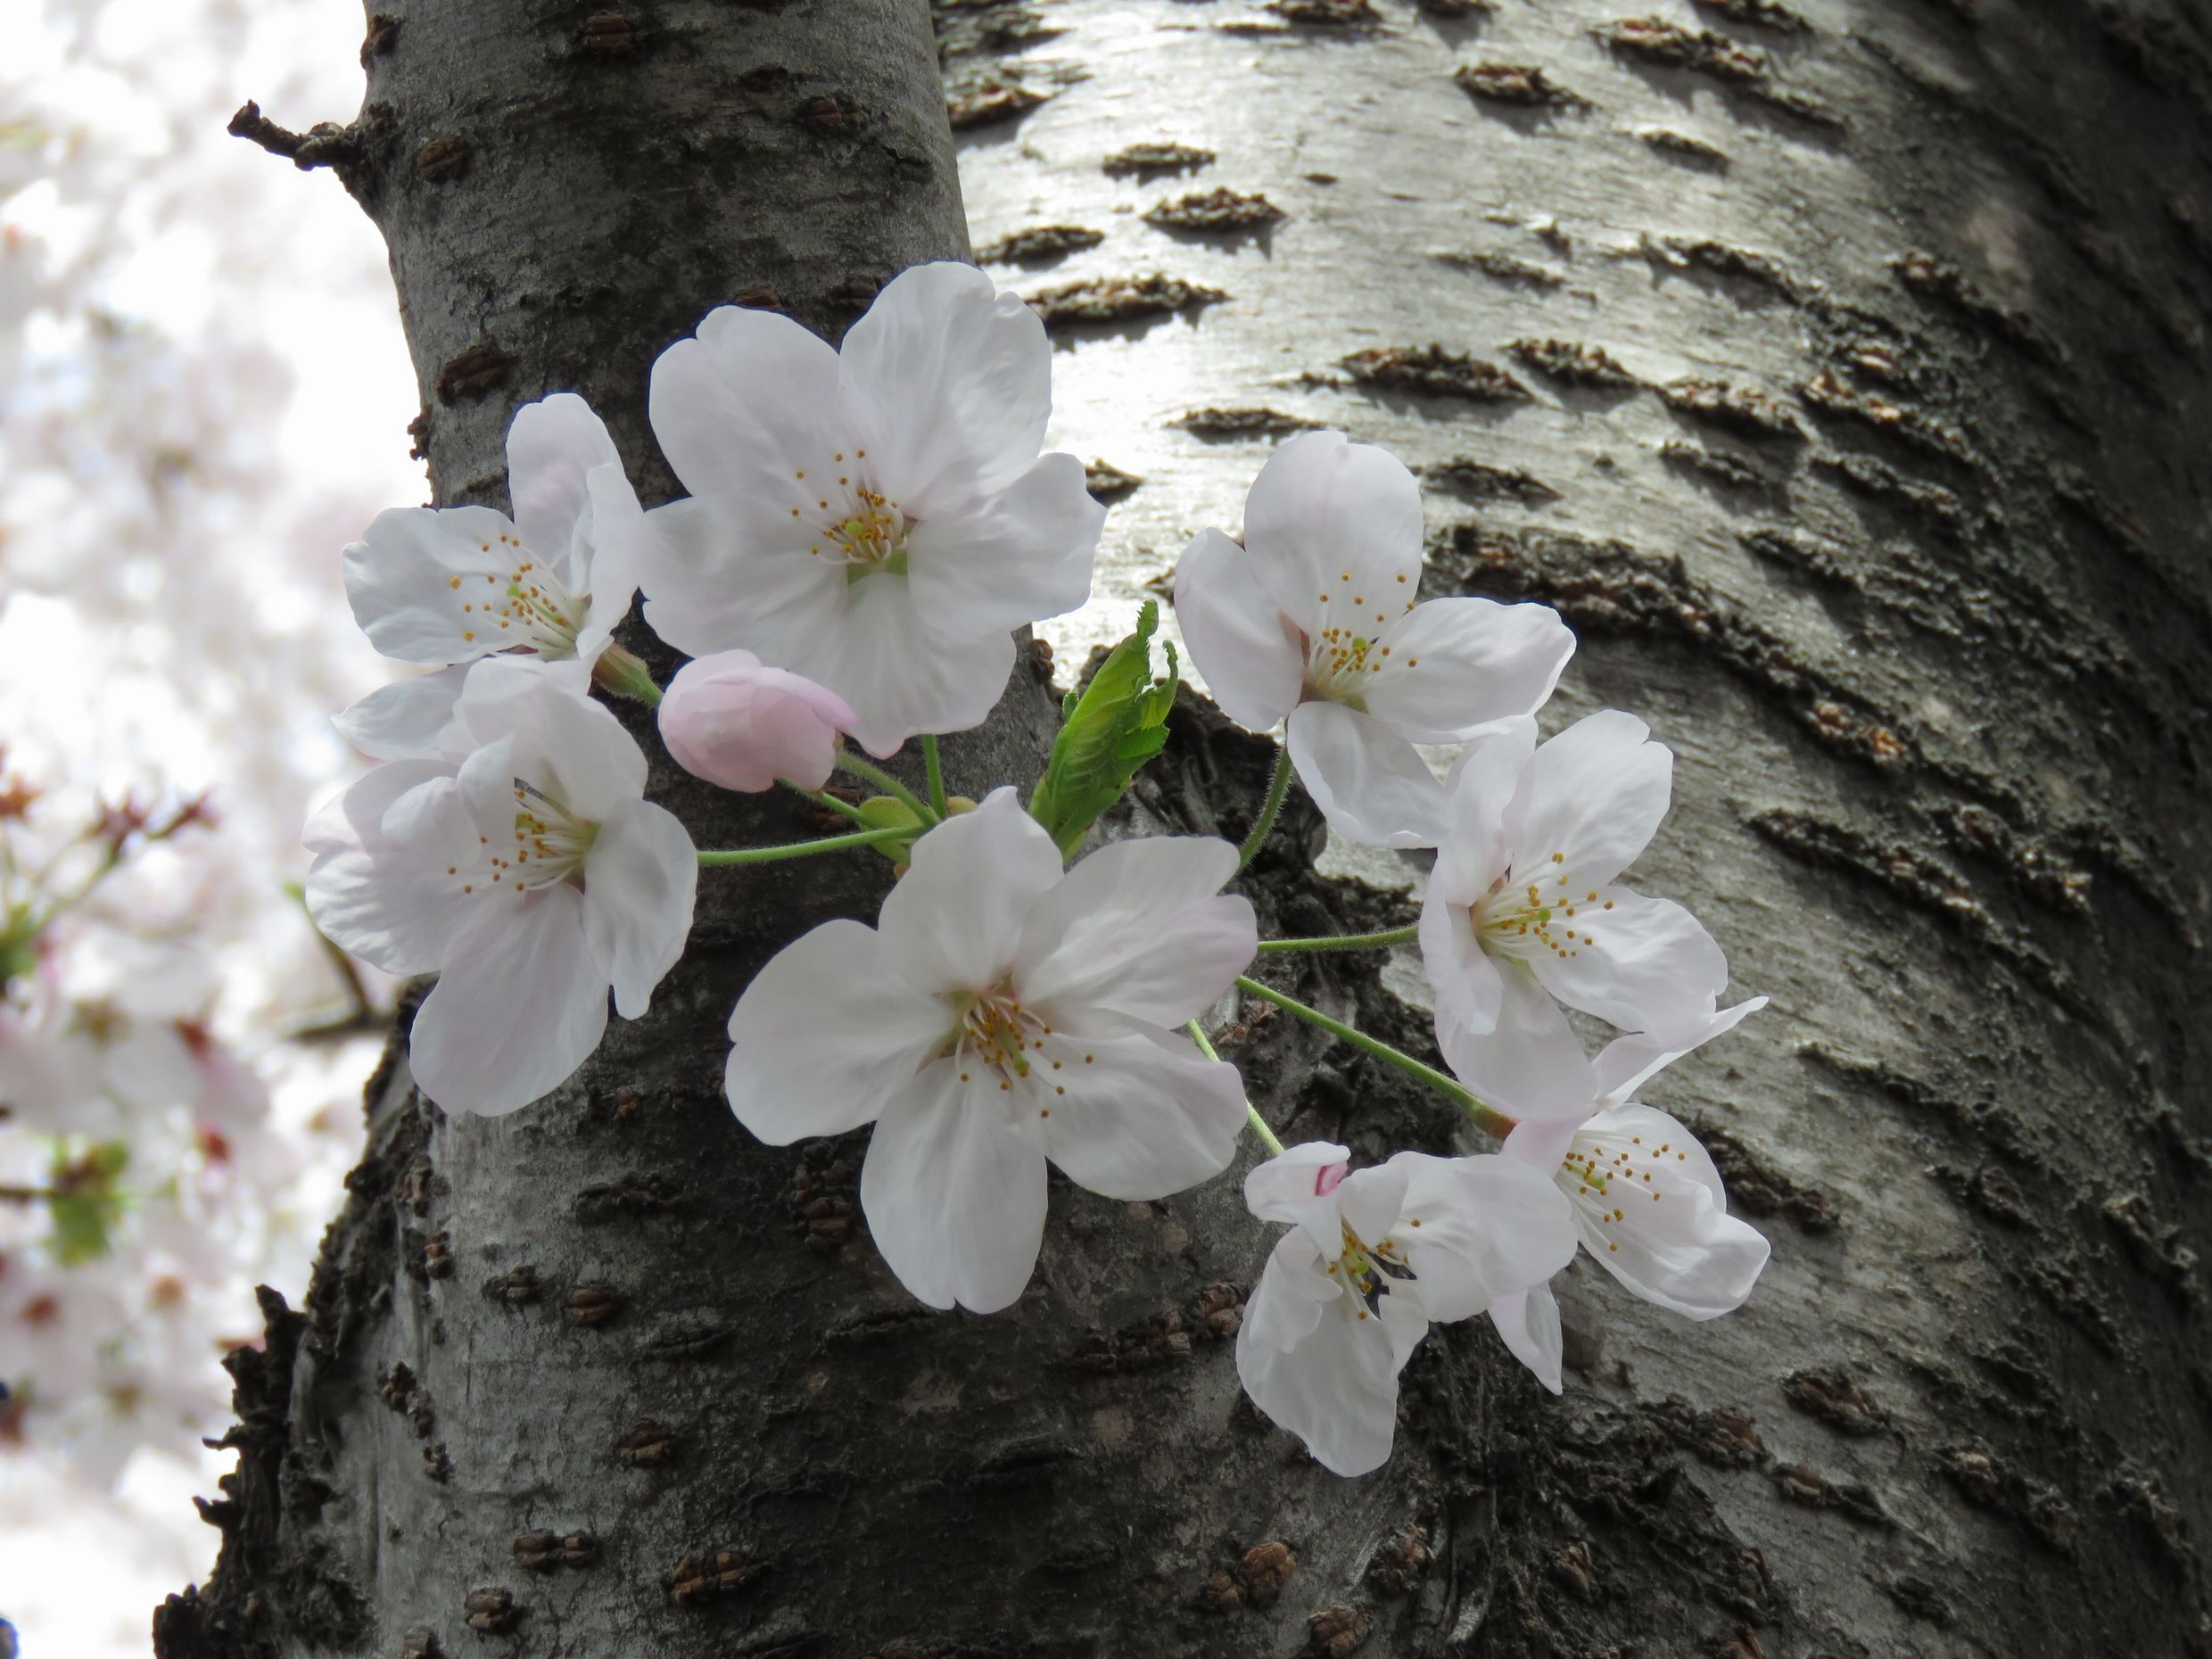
[(1838, 373)]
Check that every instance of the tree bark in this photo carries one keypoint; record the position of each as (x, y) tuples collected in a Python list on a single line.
[(1837, 369)]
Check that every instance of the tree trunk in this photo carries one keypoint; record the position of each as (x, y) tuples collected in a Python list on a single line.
[(1837, 370)]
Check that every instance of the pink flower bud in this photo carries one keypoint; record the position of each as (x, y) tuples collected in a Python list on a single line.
[(733, 723)]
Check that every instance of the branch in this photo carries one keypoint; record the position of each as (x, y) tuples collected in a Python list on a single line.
[(324, 145)]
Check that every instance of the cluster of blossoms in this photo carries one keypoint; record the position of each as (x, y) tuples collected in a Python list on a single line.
[(866, 529)]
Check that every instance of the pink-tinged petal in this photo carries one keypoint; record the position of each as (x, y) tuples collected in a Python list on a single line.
[(1627, 1063), (1528, 1322), (390, 904), (402, 721), (1477, 1229), (521, 1003), (565, 745), (1245, 649), (899, 679), (1673, 1241), (720, 576), (955, 921), (953, 1191), (1140, 928), (1643, 964), (1481, 789), (1370, 783), (1337, 1389), (729, 720), (1456, 666), (746, 408), (1334, 531), (1012, 558), (640, 879), (1463, 980), (1144, 1114), (415, 567), (825, 1033), (1300, 1186), (1529, 1064), (951, 382), (551, 446), (1595, 793), (606, 562)]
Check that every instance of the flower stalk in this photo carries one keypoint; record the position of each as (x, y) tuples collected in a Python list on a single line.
[(720, 858), (1278, 788), (1343, 941)]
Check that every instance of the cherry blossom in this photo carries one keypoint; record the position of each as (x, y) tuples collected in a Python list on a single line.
[(1002, 1014), (730, 721), (446, 585), (526, 867), (1647, 1201), (1523, 914), (878, 519), (1374, 1256), (1316, 620)]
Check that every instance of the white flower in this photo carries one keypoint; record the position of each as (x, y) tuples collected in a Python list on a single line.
[(878, 519), (1523, 913), (1315, 618), (440, 585), (1374, 1258), (526, 866), (1647, 1200), (999, 1015)]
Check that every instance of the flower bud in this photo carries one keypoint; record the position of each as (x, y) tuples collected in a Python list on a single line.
[(730, 721)]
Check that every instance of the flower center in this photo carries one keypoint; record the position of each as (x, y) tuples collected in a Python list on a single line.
[(1364, 1269), (995, 1032), (550, 845), (534, 611), (850, 521), (1602, 1174), (1346, 645), (1518, 916)]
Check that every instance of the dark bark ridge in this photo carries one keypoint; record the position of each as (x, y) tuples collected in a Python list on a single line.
[(1857, 358)]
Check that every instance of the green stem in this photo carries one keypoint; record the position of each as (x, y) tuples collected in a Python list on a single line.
[(824, 799), (1342, 941), (868, 771), (802, 849), (1485, 1117), (1278, 787), (1268, 1137), (935, 766)]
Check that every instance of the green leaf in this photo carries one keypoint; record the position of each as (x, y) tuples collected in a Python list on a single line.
[(884, 811), (1117, 723), (86, 1202)]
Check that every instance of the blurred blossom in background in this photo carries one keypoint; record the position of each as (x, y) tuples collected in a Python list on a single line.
[(203, 395)]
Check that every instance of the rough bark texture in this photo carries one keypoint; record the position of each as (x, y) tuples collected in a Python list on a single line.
[(1837, 369)]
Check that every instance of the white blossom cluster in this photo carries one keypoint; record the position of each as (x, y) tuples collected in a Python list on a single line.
[(866, 528)]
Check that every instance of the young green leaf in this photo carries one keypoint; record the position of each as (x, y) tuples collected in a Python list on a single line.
[(1117, 723)]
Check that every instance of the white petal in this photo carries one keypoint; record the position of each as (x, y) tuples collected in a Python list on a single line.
[(899, 677), (745, 408), (1675, 1243), (1529, 1323), (1288, 1301), (1627, 1063), (640, 879), (610, 558), (564, 743), (953, 382), (1330, 517), (953, 1191), (955, 921), (1477, 1229), (551, 446), (825, 1033), (521, 1004), (1456, 666), (1298, 1185), (1140, 928), (1369, 782), (402, 721), (1252, 658), (1337, 1389), (1463, 979), (1643, 964), (720, 576), (1481, 789), (1530, 1064), (1595, 793), (407, 578), (1372, 1200), (1013, 559), (391, 905), (1145, 1114)]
